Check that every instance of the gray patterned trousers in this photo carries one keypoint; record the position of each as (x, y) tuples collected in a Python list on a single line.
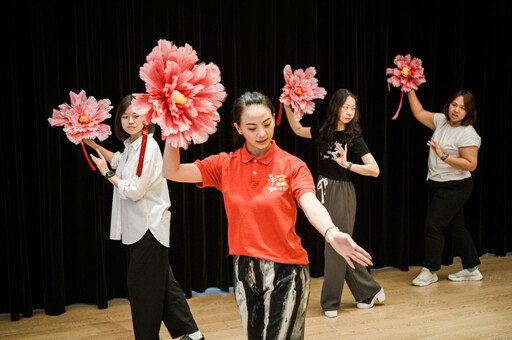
[(272, 298)]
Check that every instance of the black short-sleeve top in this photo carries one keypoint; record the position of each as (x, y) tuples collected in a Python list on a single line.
[(328, 167)]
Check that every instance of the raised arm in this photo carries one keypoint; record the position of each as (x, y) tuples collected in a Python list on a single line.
[(424, 117), (175, 171), (340, 241), (107, 154), (368, 168), (296, 126)]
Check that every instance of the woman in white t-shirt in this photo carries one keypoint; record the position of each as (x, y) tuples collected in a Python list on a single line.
[(453, 155)]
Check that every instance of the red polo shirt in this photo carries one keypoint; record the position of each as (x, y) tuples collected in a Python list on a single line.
[(259, 196)]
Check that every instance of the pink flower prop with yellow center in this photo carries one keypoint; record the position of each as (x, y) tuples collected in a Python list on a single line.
[(83, 119), (299, 91), (407, 75), (182, 96)]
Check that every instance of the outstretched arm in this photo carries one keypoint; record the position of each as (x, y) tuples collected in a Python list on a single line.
[(296, 126), (342, 242), (424, 117), (175, 171)]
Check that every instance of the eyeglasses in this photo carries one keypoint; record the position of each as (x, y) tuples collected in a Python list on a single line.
[(455, 106)]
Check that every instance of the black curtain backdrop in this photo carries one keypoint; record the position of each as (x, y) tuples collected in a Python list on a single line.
[(54, 246)]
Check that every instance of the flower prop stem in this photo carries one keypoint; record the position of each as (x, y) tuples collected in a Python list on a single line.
[(399, 105), (142, 150), (87, 156)]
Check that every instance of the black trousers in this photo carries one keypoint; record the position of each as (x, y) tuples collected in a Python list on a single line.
[(445, 214), (154, 293)]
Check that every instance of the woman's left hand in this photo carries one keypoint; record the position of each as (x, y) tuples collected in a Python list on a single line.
[(340, 156), (437, 148), (101, 163)]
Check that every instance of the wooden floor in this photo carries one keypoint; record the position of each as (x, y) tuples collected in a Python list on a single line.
[(443, 310)]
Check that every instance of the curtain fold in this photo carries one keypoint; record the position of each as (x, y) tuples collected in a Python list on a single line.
[(55, 247)]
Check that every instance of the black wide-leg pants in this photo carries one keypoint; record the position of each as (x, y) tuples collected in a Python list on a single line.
[(154, 293)]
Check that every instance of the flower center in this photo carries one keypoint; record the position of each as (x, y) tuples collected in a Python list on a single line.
[(298, 90), (405, 71), (83, 119), (180, 99)]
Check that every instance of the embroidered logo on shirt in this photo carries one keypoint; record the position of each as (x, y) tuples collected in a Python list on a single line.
[(278, 183)]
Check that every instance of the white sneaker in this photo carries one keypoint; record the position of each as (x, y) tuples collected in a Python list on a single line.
[(466, 275), (380, 296), (425, 278), (331, 313)]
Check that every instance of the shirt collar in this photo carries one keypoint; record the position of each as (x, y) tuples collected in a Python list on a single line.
[(265, 159)]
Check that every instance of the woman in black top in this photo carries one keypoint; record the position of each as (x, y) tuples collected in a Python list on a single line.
[(336, 138)]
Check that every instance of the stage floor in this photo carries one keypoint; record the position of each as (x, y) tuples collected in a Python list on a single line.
[(443, 310)]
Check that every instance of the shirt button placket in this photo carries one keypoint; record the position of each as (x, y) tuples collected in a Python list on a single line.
[(254, 176)]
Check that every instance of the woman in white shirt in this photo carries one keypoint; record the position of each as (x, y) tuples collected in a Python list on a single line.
[(453, 155), (141, 219)]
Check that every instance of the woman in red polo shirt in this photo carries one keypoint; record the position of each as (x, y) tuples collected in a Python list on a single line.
[(260, 184)]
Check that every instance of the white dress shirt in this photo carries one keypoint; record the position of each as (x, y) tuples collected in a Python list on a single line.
[(140, 203)]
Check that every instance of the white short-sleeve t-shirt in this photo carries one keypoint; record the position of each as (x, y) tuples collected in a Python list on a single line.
[(451, 139)]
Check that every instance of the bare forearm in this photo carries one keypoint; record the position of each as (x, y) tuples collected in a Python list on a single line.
[(341, 242), (366, 169), (316, 213), (414, 103), (173, 170), (171, 161), (107, 154), (424, 117), (461, 163), (296, 126)]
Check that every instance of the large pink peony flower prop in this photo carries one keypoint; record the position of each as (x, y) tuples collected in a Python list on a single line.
[(407, 75), (299, 91), (83, 118), (182, 96)]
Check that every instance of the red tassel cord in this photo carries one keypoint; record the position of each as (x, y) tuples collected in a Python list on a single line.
[(399, 106), (142, 150), (278, 120), (87, 156)]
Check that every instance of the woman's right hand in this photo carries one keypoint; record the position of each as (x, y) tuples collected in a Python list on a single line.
[(349, 249)]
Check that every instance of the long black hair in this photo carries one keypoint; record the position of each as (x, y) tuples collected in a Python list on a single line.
[(327, 131)]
